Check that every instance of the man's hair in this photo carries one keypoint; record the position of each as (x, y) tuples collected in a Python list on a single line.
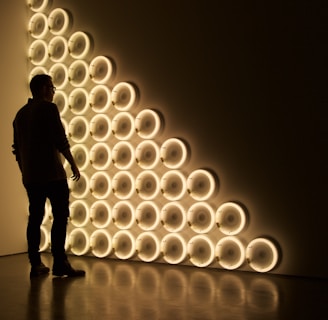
[(37, 83)]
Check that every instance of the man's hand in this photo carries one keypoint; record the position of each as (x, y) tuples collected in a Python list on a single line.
[(76, 173)]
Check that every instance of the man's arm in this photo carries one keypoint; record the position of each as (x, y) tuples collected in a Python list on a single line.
[(69, 157)]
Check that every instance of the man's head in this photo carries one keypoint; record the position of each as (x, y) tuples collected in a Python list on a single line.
[(42, 87)]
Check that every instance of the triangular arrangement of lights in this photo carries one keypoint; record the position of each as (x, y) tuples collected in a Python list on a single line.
[(133, 200)]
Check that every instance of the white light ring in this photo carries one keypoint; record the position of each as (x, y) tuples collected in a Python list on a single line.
[(79, 242), (123, 155), (230, 218), (38, 52), (61, 101), (101, 243), (147, 154), (79, 189), (100, 127), (124, 244), (147, 185), (123, 126), (100, 156), (173, 185), (37, 5), (148, 247), (38, 25), (201, 217), (100, 98), (59, 21), (100, 214), (123, 185), (81, 156), (201, 251), (174, 153), (100, 69), (124, 96), (201, 185), (37, 70), (59, 75), (79, 213), (47, 213), (78, 73), (78, 101), (123, 214), (174, 248), (100, 185), (78, 129), (58, 49), (148, 215), (173, 217), (148, 124), (230, 252), (262, 255), (79, 45), (45, 239)]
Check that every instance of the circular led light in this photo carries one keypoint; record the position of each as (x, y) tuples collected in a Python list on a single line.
[(148, 124), (123, 155), (230, 252), (78, 74), (201, 217), (59, 75), (147, 215), (100, 127), (100, 214), (58, 49), (123, 214), (174, 248), (38, 25), (79, 213), (101, 243), (78, 101), (173, 185), (201, 185), (44, 239), (148, 246), (174, 153), (124, 96), (100, 156), (100, 185), (78, 129), (61, 101), (147, 154), (147, 185), (81, 156), (200, 250), (173, 217), (99, 98), (79, 46), (124, 244), (100, 69), (79, 189), (123, 185), (79, 242), (262, 255), (38, 52), (38, 5), (230, 218), (59, 21), (123, 126)]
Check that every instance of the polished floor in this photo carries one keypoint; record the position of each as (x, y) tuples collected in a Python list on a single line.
[(114, 289)]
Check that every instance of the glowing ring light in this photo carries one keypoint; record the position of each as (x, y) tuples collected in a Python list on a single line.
[(147, 185), (124, 244), (59, 21), (100, 127), (100, 156), (147, 154), (79, 213), (123, 155), (174, 248), (262, 255), (45, 239), (148, 124), (37, 70), (78, 101), (174, 153), (230, 218), (148, 247), (78, 74), (78, 129), (38, 5), (123, 126), (79, 243), (61, 101), (79, 46), (173, 185), (201, 217), (100, 69), (101, 243), (123, 185), (100, 98), (81, 156), (38, 52), (38, 25), (100, 185), (59, 75), (79, 189), (201, 185), (57, 49), (230, 253), (200, 250), (123, 214), (173, 217), (100, 214), (48, 213), (124, 96), (147, 215)]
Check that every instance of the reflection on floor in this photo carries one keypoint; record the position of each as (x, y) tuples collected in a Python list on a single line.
[(114, 289)]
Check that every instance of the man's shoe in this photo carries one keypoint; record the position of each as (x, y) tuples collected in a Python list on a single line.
[(38, 270), (64, 269)]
